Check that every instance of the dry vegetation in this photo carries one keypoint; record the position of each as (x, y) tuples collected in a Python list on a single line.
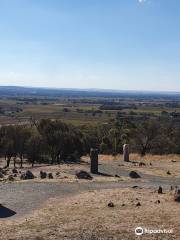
[(157, 165), (87, 216)]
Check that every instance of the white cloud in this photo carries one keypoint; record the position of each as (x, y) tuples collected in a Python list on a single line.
[(141, 1)]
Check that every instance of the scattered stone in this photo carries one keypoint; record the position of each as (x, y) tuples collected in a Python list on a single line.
[(134, 174), (14, 175), (150, 164), (1, 175), (50, 175), (83, 175), (57, 174), (177, 195), (4, 171), (14, 170), (160, 190), (142, 164), (27, 175), (111, 204), (117, 176), (173, 161), (157, 201), (168, 172), (10, 178), (134, 186), (171, 188), (43, 175), (138, 204), (123, 205)]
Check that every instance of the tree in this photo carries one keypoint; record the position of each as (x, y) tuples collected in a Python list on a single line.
[(54, 135), (23, 134), (145, 136), (34, 148), (8, 138)]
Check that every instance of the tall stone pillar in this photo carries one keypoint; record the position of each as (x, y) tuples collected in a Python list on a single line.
[(94, 160), (126, 152)]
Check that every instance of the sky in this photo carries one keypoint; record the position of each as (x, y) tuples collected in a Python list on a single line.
[(106, 44)]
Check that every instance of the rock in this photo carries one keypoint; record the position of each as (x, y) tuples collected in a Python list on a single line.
[(1, 175), (14, 170), (83, 175), (135, 186), (168, 172), (173, 161), (142, 164), (157, 201), (160, 190), (27, 175), (177, 195), (50, 175), (4, 171), (117, 176), (138, 204), (57, 174), (111, 204), (171, 188), (126, 153), (10, 178), (94, 160), (43, 175), (150, 164), (123, 205), (134, 174)]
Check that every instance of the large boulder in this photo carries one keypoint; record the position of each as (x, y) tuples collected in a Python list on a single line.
[(14, 170), (1, 175), (43, 175), (134, 174), (4, 171), (27, 175), (50, 176), (83, 175)]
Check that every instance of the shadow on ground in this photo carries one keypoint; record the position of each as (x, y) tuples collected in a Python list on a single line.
[(6, 212)]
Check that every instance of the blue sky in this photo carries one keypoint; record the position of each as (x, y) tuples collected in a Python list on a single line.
[(110, 44)]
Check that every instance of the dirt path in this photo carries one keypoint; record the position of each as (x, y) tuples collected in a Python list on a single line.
[(28, 196), (25, 197)]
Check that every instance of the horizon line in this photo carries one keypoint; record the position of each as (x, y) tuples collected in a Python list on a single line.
[(93, 89)]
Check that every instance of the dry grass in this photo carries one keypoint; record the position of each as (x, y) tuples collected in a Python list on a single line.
[(160, 164), (86, 216)]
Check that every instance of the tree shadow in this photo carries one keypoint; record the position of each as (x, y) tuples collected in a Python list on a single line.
[(6, 212)]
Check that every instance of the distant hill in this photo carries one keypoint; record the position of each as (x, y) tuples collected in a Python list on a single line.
[(16, 91)]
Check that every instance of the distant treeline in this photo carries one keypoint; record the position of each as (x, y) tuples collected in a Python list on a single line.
[(57, 141)]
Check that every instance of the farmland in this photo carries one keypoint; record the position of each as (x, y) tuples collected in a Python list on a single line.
[(81, 107)]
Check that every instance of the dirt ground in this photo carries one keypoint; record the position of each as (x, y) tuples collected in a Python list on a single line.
[(87, 216), (154, 165)]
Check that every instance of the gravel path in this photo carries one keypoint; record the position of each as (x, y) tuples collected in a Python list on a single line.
[(27, 196)]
